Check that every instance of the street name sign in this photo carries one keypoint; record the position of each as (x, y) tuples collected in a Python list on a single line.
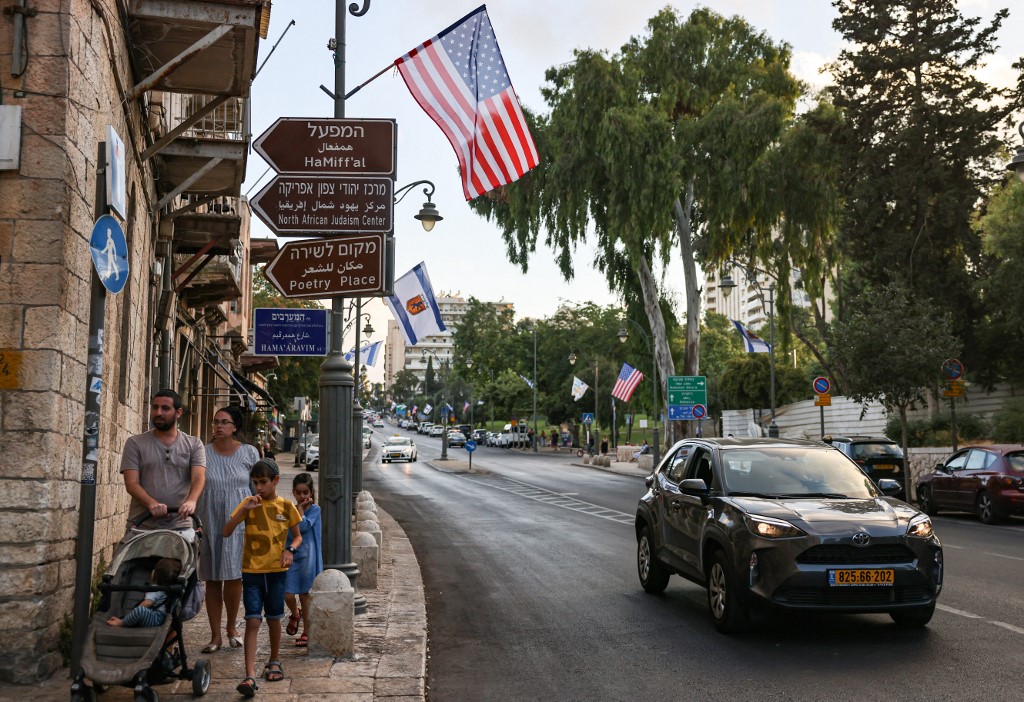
[(684, 393), (317, 146), (298, 205), (289, 332), (317, 268)]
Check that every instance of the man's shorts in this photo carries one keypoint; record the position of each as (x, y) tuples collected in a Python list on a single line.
[(263, 594)]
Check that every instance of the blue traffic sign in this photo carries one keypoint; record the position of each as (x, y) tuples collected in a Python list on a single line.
[(821, 385), (470, 446), (289, 332), (109, 251), (588, 417), (952, 368), (699, 411)]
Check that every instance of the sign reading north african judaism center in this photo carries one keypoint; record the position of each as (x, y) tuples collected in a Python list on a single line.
[(297, 205)]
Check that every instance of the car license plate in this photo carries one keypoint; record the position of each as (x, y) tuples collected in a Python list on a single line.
[(885, 466), (861, 576)]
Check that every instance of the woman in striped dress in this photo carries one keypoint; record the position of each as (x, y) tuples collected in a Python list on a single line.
[(228, 461)]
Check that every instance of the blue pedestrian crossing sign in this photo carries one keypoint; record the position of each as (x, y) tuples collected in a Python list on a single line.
[(588, 417), (109, 251)]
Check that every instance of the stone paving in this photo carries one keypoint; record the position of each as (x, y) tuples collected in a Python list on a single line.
[(389, 664)]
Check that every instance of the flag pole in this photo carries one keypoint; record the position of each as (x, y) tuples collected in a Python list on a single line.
[(369, 80)]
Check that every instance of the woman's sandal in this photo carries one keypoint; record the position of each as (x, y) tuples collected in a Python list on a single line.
[(303, 640), (273, 672), (248, 687), (293, 624)]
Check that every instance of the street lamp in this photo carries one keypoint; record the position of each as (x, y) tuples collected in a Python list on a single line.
[(534, 330), (572, 362), (444, 424), (652, 349), (428, 214), (726, 285)]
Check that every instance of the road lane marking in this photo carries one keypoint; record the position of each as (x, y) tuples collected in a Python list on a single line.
[(548, 497), (969, 615)]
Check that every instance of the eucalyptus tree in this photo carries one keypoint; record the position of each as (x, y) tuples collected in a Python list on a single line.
[(670, 144)]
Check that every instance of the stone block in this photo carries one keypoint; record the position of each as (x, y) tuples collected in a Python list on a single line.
[(332, 616), (32, 198), (26, 454), (39, 495), (364, 516), (31, 411), (34, 284), (38, 579), (11, 325), (51, 327), (39, 241), (39, 370), (372, 528), (365, 554), (586, 460), (42, 157), (6, 240), (645, 462)]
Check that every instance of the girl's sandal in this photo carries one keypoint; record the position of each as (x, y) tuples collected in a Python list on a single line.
[(248, 687), (293, 623), (273, 672), (303, 640)]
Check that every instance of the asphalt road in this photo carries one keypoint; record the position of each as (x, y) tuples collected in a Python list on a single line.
[(532, 594)]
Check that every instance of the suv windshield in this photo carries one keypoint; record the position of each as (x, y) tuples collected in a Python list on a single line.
[(875, 449), (793, 472)]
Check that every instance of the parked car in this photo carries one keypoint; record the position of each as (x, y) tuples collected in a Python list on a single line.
[(424, 428), (456, 439), (436, 430), (878, 456), (299, 447), (785, 524), (367, 433), (986, 480), (466, 429), (312, 454), (479, 436), (398, 448), (378, 422)]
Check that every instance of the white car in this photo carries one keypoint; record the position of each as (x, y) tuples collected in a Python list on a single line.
[(398, 448), (436, 430), (424, 428), (367, 432), (312, 459), (378, 422)]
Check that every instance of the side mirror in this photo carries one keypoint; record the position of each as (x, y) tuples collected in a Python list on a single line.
[(649, 480), (889, 487), (695, 486)]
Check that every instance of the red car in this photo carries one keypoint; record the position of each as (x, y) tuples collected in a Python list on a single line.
[(988, 480)]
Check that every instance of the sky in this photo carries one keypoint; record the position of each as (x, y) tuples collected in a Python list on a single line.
[(464, 254)]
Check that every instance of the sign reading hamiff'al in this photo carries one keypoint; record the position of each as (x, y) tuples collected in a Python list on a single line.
[(297, 205), (317, 146), (352, 265)]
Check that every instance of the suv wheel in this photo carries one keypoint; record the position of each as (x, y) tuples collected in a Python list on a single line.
[(653, 575), (913, 618), (727, 609), (925, 501)]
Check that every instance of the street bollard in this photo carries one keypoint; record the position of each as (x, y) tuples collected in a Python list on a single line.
[(332, 615), (366, 555)]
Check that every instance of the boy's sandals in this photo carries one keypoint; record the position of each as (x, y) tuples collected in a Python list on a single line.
[(248, 687), (303, 640), (293, 623), (273, 672)]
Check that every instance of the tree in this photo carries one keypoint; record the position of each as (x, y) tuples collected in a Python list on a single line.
[(1001, 336), (405, 386), (892, 345), (920, 138), (297, 376)]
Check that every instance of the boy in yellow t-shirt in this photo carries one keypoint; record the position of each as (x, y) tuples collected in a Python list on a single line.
[(265, 562)]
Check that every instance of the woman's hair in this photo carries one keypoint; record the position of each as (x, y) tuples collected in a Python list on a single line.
[(237, 418), (307, 480)]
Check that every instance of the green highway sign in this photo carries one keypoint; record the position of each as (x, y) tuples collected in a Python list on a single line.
[(684, 393)]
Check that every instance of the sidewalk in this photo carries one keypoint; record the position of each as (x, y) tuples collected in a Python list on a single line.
[(389, 664)]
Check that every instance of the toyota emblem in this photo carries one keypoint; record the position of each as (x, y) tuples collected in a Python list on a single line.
[(861, 538)]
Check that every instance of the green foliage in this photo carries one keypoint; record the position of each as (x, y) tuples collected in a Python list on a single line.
[(1009, 422), (746, 382), (938, 430)]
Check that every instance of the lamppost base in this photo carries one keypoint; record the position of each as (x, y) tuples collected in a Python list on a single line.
[(773, 430)]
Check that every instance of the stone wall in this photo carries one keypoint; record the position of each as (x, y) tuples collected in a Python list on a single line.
[(73, 86)]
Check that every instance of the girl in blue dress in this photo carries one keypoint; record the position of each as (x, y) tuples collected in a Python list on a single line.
[(309, 560)]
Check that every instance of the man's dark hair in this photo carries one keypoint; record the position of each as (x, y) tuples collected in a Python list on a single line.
[(167, 392), (166, 571), (264, 468)]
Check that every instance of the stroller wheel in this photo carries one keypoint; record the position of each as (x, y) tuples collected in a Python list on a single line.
[(201, 677), (86, 694), (146, 695)]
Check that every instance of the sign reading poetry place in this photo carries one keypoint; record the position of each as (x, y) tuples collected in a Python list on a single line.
[(353, 265)]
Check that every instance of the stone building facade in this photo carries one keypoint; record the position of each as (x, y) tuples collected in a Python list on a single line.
[(73, 68)]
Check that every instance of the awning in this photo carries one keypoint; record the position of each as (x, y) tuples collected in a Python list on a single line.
[(248, 401), (254, 388)]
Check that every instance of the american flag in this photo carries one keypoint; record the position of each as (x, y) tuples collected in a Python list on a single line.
[(625, 384), (459, 79)]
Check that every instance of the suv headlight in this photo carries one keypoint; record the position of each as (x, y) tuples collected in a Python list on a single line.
[(771, 528), (920, 526)]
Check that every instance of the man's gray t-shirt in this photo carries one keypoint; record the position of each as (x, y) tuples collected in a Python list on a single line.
[(165, 473)]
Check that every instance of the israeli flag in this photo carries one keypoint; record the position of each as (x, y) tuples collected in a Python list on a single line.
[(414, 306), (427, 409), (579, 388), (751, 341), (367, 354)]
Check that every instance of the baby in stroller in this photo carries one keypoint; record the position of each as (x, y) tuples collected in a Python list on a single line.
[(135, 637), (153, 609)]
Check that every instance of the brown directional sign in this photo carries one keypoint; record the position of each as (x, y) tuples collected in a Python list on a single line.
[(350, 265), (298, 205), (311, 146)]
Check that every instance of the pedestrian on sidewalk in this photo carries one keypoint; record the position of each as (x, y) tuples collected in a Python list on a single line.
[(228, 462), (554, 439), (265, 562), (309, 560)]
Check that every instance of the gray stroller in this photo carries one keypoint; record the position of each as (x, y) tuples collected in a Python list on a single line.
[(139, 657)]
